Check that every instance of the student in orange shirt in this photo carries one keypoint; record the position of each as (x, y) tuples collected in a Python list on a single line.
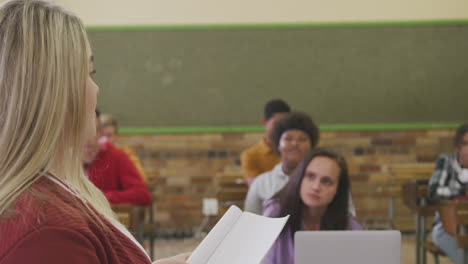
[(261, 157)]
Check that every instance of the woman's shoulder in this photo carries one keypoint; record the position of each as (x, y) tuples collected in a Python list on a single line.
[(45, 199), (271, 207), (264, 181), (37, 210)]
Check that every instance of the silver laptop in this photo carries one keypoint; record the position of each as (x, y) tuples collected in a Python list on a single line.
[(338, 247)]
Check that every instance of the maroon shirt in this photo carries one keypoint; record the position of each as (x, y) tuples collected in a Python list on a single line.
[(116, 176), (52, 226)]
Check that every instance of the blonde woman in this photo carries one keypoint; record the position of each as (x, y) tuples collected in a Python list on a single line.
[(49, 212)]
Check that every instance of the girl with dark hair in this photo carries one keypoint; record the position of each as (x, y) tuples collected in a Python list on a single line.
[(316, 198)]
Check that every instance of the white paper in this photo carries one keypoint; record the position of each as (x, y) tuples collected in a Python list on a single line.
[(214, 238), (246, 241)]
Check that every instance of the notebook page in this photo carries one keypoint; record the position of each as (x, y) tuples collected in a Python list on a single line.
[(214, 238), (249, 240)]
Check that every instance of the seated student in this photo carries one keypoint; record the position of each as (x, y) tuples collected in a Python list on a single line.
[(450, 181), (316, 198), (261, 157), (293, 136), (113, 173), (108, 128)]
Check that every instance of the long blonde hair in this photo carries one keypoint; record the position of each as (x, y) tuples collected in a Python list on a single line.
[(44, 66)]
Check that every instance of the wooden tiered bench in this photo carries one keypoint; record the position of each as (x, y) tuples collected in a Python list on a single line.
[(231, 189), (403, 216), (454, 216), (414, 195)]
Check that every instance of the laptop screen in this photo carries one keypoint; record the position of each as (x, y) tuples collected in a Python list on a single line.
[(338, 247)]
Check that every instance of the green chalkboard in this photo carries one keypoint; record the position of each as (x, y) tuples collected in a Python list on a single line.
[(340, 75)]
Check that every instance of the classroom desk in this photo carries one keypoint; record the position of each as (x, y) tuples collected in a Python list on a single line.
[(454, 217), (414, 195), (131, 216)]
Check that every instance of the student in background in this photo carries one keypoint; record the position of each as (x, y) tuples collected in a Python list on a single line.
[(110, 169), (108, 130), (108, 127), (49, 212), (261, 157), (316, 198), (450, 181), (293, 136)]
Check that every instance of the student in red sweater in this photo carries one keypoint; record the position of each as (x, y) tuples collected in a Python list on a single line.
[(110, 169), (49, 212)]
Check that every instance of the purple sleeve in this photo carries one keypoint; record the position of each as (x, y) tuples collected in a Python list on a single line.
[(271, 208), (270, 257), (282, 251), (283, 246), (353, 224)]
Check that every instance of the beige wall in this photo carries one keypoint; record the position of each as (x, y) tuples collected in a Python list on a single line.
[(163, 12), (157, 12)]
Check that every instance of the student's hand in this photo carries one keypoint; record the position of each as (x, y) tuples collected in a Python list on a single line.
[(179, 259)]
